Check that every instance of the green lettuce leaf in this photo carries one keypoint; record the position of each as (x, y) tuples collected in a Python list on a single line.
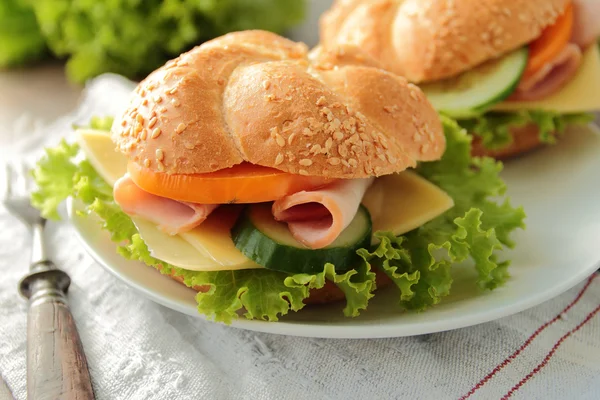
[(20, 38), (475, 229), (494, 127), (419, 263), (134, 37)]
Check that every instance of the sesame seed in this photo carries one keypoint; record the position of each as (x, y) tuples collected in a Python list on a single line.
[(343, 150), (162, 110), (145, 102), (123, 123), (144, 134), (353, 163), (160, 155), (333, 161), (345, 163), (173, 91), (291, 138), (328, 144), (143, 93), (417, 137), (146, 163), (424, 148), (157, 99), (161, 166), (413, 95), (180, 128), (279, 159), (266, 85), (156, 133), (138, 128), (175, 102), (291, 157), (321, 101), (189, 146), (316, 149), (221, 81), (338, 135), (280, 140), (305, 162), (139, 119), (151, 86), (152, 122), (391, 158), (307, 132), (303, 172)]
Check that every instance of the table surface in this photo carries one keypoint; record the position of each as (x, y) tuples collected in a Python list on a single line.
[(41, 91)]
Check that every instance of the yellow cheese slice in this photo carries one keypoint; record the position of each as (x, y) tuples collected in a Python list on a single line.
[(213, 238), (185, 253), (581, 94), (402, 202), (102, 154)]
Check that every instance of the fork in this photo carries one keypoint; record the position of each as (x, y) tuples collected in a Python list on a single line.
[(56, 364)]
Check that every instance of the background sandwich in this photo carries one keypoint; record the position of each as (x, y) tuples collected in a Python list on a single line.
[(267, 180), (514, 73)]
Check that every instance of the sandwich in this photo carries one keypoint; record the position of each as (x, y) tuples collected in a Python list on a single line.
[(268, 179), (515, 73)]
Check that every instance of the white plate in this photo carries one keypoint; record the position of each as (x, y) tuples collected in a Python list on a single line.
[(559, 187)]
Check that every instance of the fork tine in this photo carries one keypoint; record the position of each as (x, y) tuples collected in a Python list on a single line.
[(8, 170), (25, 174)]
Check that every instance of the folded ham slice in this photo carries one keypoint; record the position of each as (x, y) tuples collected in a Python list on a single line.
[(171, 216), (316, 218), (586, 26), (553, 76)]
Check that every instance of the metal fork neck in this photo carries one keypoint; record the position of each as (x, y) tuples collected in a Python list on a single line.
[(39, 252)]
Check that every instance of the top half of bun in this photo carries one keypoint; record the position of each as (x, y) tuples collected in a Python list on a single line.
[(256, 97), (426, 40)]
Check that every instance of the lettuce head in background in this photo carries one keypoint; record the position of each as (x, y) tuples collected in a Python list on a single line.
[(128, 37)]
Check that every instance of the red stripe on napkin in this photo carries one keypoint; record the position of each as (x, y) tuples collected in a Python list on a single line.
[(550, 354), (535, 334)]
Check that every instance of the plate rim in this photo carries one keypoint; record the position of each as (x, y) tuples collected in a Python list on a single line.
[(334, 331)]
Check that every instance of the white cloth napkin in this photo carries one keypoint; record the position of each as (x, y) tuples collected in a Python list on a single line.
[(137, 349)]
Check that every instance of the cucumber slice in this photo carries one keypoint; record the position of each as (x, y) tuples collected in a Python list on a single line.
[(269, 243), (472, 92)]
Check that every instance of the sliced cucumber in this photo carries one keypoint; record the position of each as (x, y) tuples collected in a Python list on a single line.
[(269, 243), (472, 92)]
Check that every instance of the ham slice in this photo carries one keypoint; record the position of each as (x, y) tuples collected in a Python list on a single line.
[(171, 216), (586, 26), (316, 218), (551, 77)]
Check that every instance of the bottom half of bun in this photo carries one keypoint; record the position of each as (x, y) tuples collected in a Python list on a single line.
[(329, 293), (524, 139)]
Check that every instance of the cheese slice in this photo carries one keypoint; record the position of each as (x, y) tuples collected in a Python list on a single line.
[(398, 203), (581, 94), (402, 202), (213, 239), (102, 154), (186, 253)]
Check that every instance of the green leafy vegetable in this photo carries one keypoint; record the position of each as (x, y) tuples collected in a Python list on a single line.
[(476, 228), (419, 263), (494, 127), (134, 37), (20, 38)]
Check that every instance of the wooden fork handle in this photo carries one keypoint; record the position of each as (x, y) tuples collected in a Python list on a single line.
[(56, 364)]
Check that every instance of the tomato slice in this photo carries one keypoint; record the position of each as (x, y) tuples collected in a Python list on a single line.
[(243, 183), (552, 41)]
